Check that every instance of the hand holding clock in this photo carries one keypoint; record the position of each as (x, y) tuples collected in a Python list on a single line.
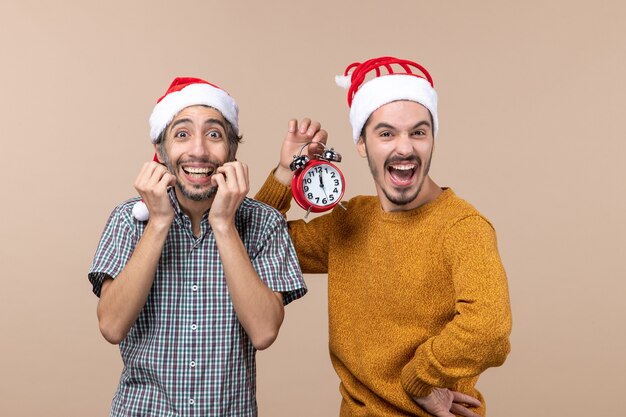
[(298, 133)]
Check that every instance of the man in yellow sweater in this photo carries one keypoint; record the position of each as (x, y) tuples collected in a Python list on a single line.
[(417, 294)]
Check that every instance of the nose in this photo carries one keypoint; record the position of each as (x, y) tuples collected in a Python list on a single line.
[(404, 145), (199, 146)]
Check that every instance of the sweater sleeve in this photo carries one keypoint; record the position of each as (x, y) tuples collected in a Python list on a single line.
[(311, 239), (275, 194), (478, 335)]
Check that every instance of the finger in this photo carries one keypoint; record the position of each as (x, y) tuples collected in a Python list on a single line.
[(167, 180), (157, 173), (292, 126), (237, 170), (143, 179), (229, 175), (459, 397), (320, 136), (314, 127), (315, 148), (242, 177), (463, 411), (218, 180), (304, 125), (241, 172), (172, 179), (320, 140)]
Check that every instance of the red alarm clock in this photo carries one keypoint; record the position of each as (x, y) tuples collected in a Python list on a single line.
[(317, 184)]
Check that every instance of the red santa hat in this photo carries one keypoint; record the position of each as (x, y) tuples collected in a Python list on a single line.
[(185, 92), (394, 80)]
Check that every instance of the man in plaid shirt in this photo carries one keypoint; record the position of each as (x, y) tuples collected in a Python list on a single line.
[(193, 278)]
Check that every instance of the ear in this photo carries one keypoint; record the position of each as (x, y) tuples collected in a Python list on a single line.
[(360, 147)]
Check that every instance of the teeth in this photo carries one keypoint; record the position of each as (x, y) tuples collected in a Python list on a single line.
[(403, 167), (191, 170)]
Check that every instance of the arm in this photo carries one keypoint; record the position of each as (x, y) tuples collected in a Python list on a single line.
[(477, 337), (122, 298), (259, 310), (310, 239)]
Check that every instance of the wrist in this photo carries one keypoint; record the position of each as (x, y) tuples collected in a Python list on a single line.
[(223, 229), (283, 175), (160, 224)]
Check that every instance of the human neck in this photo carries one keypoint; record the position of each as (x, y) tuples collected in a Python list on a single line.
[(194, 209)]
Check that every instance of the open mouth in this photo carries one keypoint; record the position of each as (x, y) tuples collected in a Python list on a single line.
[(402, 173), (197, 172)]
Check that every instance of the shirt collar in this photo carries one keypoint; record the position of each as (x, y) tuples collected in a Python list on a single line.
[(181, 217)]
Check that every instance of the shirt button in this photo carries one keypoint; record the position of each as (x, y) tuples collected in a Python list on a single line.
[(194, 287), (192, 364), (192, 401), (194, 326)]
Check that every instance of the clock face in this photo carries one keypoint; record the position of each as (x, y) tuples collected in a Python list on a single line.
[(322, 185)]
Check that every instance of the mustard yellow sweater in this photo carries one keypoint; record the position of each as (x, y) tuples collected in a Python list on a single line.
[(416, 299)]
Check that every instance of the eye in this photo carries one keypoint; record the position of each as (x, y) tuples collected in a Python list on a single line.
[(214, 134), (419, 133), (385, 134), (182, 134)]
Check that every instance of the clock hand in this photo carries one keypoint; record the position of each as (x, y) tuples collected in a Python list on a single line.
[(322, 185)]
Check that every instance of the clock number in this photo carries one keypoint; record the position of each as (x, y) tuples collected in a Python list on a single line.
[(332, 175), (331, 197), (335, 190), (306, 188), (336, 182), (309, 196), (307, 180)]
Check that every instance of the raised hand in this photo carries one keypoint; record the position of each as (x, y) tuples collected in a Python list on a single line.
[(151, 184), (233, 185), (298, 134)]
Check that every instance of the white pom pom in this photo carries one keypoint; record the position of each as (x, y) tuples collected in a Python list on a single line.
[(140, 211), (343, 81)]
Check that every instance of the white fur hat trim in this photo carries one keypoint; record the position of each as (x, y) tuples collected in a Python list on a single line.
[(385, 89)]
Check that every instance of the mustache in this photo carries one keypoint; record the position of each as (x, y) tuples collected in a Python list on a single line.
[(216, 164), (396, 158)]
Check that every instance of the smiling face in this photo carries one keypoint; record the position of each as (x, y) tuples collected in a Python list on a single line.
[(195, 144), (398, 143)]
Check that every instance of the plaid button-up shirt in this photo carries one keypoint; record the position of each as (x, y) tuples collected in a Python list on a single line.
[(187, 354)]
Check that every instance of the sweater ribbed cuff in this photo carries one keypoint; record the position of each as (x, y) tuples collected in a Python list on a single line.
[(412, 384), (275, 194)]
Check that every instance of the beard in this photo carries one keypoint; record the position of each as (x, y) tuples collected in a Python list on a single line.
[(194, 192), (401, 196)]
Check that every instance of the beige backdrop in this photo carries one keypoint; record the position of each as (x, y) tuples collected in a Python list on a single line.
[(531, 110)]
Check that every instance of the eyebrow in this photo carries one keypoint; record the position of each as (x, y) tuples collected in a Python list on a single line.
[(383, 125), (206, 122)]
